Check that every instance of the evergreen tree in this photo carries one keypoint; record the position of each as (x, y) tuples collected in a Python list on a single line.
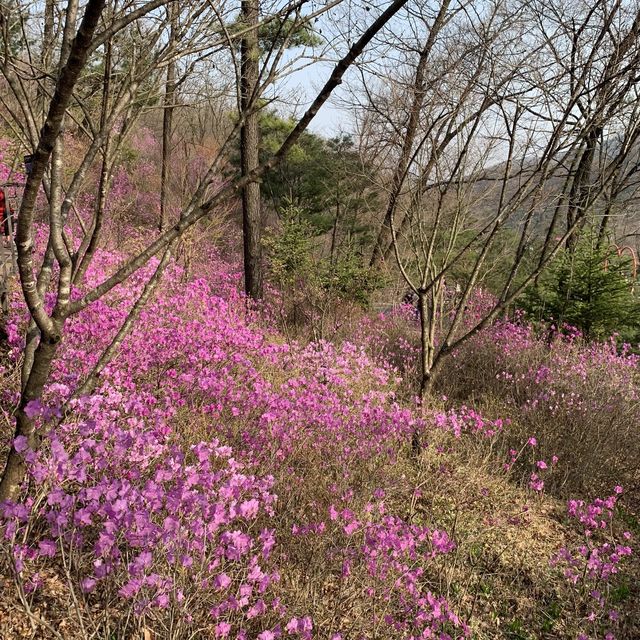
[(592, 288)]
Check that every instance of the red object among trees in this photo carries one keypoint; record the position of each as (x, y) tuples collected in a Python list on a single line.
[(3, 216), (5, 212)]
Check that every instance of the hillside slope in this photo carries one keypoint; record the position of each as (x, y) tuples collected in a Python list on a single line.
[(223, 482)]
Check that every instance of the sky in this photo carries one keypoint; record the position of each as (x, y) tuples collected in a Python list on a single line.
[(298, 89)]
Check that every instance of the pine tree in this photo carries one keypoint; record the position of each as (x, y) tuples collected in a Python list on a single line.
[(592, 288)]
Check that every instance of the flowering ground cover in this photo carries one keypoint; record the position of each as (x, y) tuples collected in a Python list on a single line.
[(225, 481), (222, 482)]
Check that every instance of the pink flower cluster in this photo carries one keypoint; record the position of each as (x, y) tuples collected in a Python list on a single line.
[(160, 487), (467, 420), (593, 565), (144, 515)]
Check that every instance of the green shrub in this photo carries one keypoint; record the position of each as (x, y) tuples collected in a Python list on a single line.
[(315, 288), (592, 288)]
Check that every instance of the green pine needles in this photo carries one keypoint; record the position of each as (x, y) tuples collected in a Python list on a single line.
[(593, 287)]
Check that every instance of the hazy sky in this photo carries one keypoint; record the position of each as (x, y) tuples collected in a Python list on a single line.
[(297, 91)]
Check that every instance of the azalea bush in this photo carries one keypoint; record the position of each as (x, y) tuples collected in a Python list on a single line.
[(223, 481), (593, 565), (581, 399), (183, 490), (133, 517)]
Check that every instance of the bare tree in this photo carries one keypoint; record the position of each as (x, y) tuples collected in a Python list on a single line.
[(418, 90), (467, 217), (50, 326), (167, 120)]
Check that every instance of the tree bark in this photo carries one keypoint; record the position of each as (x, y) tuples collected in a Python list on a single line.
[(579, 194), (46, 54), (334, 231), (73, 57), (249, 148), (167, 123), (90, 240), (427, 316), (15, 468)]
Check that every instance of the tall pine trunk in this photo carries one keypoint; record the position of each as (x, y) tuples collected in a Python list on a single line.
[(167, 124), (249, 147)]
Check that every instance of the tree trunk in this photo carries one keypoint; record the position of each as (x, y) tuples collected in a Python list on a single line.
[(427, 347), (334, 231), (167, 123), (579, 194), (46, 55), (73, 59), (249, 141), (90, 240), (14, 470), (602, 229)]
